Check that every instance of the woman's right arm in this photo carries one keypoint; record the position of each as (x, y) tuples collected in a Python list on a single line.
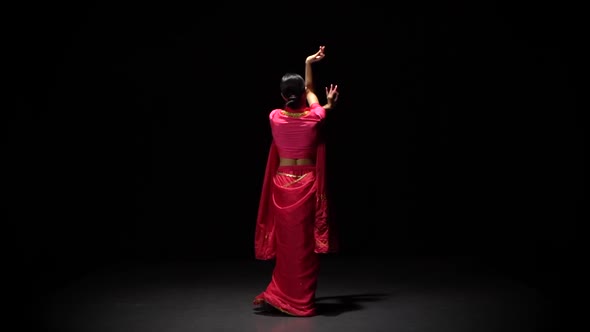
[(331, 96)]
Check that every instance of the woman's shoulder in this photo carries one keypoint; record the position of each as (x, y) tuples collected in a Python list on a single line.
[(318, 110), (274, 112)]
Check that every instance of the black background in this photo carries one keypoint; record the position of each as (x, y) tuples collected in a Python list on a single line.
[(141, 129)]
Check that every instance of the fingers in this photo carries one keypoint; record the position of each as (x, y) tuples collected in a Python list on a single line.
[(320, 52), (333, 88)]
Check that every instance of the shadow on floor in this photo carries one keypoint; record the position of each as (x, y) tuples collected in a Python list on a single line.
[(336, 305)]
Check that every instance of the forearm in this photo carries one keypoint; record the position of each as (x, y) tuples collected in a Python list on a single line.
[(308, 76)]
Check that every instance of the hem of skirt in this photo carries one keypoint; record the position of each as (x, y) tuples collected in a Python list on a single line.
[(260, 300)]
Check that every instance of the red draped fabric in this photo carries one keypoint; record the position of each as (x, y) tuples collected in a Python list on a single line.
[(293, 227)]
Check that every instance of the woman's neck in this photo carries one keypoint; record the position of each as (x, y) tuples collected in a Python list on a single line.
[(295, 110)]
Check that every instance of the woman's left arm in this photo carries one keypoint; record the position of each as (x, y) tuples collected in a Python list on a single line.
[(312, 98)]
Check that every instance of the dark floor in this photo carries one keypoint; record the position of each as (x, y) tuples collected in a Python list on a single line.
[(354, 294)]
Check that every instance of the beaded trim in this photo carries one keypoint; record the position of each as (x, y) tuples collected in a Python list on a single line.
[(294, 114)]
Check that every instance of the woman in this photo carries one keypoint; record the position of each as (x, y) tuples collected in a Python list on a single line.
[(293, 225)]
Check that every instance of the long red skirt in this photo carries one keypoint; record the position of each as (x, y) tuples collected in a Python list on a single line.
[(294, 279)]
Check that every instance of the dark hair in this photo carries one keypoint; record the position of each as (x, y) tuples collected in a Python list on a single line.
[(292, 88)]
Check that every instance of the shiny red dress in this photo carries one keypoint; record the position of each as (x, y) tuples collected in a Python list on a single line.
[(292, 227)]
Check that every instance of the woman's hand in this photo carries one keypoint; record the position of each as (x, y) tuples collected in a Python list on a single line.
[(332, 94), (316, 56)]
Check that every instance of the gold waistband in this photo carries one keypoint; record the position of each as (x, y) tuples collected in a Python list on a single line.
[(291, 175), (297, 178)]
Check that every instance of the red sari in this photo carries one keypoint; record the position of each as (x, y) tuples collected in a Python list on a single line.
[(293, 227)]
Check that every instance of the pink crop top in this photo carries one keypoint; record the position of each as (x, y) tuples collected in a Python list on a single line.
[(294, 131)]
